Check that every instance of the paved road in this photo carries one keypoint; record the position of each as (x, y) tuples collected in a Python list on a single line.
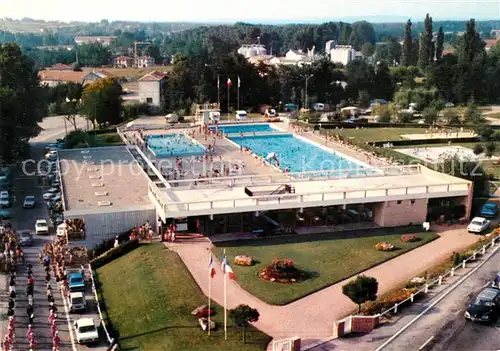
[(25, 219), (444, 327)]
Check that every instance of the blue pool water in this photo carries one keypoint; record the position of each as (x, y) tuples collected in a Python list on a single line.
[(172, 145), (245, 128), (296, 154)]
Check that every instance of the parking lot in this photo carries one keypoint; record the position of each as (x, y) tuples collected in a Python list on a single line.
[(25, 182)]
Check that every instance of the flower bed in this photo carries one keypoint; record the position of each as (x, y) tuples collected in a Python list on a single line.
[(282, 270), (409, 238), (384, 246), (378, 306)]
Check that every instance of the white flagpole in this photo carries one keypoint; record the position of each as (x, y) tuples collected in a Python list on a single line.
[(209, 289), (225, 299), (238, 103)]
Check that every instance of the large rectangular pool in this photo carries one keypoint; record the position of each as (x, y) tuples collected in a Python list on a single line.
[(245, 128), (173, 145), (297, 155)]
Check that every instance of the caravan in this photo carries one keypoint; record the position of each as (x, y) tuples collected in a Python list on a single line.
[(241, 115)]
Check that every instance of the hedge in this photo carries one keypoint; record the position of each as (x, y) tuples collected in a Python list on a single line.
[(106, 245), (114, 253)]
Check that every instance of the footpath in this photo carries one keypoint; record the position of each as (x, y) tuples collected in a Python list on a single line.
[(311, 318)]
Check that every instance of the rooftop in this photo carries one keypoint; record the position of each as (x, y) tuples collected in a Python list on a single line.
[(393, 183), (102, 179), (62, 76), (153, 76)]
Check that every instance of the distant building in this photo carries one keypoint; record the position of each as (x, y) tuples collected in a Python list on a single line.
[(295, 58), (151, 88), (55, 47), (55, 77), (145, 61), (252, 50), (491, 43), (123, 61), (495, 33), (342, 54), (330, 44), (103, 40), (256, 60)]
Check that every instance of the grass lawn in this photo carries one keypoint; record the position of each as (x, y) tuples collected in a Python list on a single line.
[(149, 296), (376, 134), (108, 139), (327, 258)]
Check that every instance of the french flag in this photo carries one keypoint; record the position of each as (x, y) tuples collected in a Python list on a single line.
[(229, 82), (211, 268), (226, 269)]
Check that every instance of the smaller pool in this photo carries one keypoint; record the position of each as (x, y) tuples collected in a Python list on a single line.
[(173, 145), (245, 128)]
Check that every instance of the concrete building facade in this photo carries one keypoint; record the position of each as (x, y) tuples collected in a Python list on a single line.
[(342, 54)]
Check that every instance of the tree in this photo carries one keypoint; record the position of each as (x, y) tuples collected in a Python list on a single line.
[(430, 115), (408, 56), (22, 102), (242, 316), (361, 289), (367, 49), (451, 116), (426, 50), (485, 131), (490, 148), (363, 99), (439, 43), (478, 149), (102, 102), (384, 84), (383, 112), (71, 105)]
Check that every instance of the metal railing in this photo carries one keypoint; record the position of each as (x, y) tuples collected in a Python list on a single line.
[(103, 322), (321, 196), (437, 281), (295, 177)]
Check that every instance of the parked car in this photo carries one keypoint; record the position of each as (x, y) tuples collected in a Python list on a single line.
[(4, 214), (86, 331), (485, 306), (4, 198), (25, 238), (48, 196), (478, 225), (56, 197), (29, 202), (496, 281), (489, 209), (76, 282), (41, 227), (77, 302)]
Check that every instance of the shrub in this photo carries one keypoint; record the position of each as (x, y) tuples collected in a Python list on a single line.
[(384, 246), (409, 238), (114, 253), (106, 245)]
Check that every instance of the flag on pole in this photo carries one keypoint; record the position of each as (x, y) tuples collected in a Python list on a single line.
[(211, 268), (226, 268), (218, 82), (239, 82), (229, 83)]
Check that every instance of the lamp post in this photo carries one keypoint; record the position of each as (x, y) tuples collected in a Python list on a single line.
[(307, 77)]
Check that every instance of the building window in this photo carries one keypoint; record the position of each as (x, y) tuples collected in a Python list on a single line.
[(149, 100), (399, 202), (412, 202)]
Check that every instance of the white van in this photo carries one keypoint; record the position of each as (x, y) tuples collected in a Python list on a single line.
[(172, 118), (241, 114), (77, 302), (214, 116)]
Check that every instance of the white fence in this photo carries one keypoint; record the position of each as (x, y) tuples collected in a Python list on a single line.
[(103, 323), (437, 281)]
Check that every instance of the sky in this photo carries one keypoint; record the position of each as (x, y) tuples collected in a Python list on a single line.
[(264, 11)]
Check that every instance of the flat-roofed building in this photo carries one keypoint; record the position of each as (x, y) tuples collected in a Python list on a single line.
[(107, 188)]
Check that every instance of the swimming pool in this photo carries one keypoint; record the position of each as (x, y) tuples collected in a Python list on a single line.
[(245, 128), (297, 155), (172, 145)]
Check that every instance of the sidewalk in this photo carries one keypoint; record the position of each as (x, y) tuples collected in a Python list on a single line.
[(311, 318)]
